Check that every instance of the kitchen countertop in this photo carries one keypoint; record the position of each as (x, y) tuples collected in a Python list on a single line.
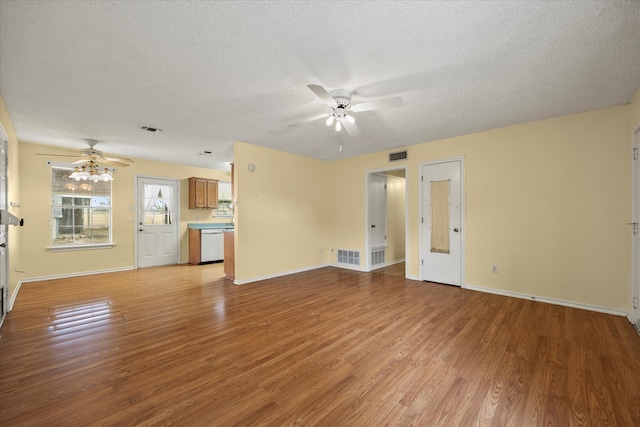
[(209, 225)]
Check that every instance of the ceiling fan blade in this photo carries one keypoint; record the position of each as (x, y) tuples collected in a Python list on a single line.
[(114, 163), (57, 155), (81, 161), (310, 119), (322, 93), (351, 128), (395, 101), (118, 159)]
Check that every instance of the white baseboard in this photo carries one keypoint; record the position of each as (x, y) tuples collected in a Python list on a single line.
[(349, 267), (12, 298), (387, 264), (273, 276), (547, 300)]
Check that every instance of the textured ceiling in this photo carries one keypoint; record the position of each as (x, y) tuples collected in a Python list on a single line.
[(210, 73)]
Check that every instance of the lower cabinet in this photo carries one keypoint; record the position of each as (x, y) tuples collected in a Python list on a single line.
[(229, 260)]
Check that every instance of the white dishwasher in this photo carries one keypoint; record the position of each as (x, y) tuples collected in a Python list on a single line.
[(211, 245)]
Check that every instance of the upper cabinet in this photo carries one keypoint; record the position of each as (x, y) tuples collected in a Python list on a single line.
[(203, 193)]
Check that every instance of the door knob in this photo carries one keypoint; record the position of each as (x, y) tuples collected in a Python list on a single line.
[(140, 229), (456, 230), (373, 226), (141, 223)]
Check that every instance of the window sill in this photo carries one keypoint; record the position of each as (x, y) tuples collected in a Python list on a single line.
[(81, 247)]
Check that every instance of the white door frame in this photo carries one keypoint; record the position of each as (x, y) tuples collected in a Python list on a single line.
[(463, 234), (4, 204), (367, 244), (135, 209), (634, 313)]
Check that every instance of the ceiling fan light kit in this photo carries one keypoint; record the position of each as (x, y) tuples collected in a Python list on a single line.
[(90, 171), (340, 103)]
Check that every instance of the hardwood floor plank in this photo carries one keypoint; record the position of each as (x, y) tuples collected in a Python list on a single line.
[(181, 345)]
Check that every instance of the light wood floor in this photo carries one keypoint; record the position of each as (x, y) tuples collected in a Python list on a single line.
[(181, 346)]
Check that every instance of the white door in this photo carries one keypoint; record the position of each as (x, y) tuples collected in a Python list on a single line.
[(441, 222), (4, 238), (377, 211), (158, 202)]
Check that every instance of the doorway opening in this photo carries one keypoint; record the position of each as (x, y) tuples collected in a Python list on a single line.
[(385, 217)]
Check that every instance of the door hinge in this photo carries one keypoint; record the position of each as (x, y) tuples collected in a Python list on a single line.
[(385, 186), (635, 153), (635, 303), (634, 227), (421, 262), (422, 220), (422, 178)]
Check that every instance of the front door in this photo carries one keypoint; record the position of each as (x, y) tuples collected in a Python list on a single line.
[(441, 222), (158, 204)]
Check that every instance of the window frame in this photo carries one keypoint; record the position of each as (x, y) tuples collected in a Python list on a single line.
[(75, 246)]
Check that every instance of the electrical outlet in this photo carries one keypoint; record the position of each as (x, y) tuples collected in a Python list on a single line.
[(494, 268)]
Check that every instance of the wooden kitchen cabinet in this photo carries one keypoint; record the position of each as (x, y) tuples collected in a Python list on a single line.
[(229, 257), (203, 193), (194, 246)]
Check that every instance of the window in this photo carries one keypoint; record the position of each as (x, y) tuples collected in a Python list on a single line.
[(225, 204), (80, 210)]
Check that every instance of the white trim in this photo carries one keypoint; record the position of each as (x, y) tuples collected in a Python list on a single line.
[(273, 276), (463, 228), (388, 263), (82, 273), (367, 257), (410, 277), (348, 267), (12, 298), (634, 314), (554, 301), (72, 247)]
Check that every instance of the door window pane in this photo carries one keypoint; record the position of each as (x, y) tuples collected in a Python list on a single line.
[(440, 217)]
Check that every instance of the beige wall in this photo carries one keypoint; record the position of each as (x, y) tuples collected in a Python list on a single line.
[(281, 214), (37, 261), (547, 202), (13, 193)]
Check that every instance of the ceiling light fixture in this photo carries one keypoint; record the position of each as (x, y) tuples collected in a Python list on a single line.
[(338, 116), (90, 171), (330, 120)]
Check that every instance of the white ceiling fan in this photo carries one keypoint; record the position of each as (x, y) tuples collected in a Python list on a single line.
[(341, 114), (92, 155)]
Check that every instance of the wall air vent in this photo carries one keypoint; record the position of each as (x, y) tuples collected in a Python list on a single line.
[(348, 257), (400, 155), (150, 129), (377, 256)]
